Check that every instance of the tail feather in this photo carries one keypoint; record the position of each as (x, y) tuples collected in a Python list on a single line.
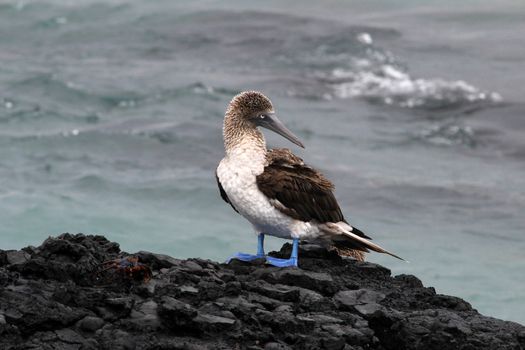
[(353, 238), (359, 232), (370, 245)]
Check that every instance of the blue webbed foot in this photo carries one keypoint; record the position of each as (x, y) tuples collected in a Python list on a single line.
[(292, 262), (281, 262), (251, 257), (244, 257)]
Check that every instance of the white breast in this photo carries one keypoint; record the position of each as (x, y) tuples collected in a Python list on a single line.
[(237, 176)]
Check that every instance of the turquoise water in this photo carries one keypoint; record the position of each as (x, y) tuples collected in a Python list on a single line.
[(111, 115)]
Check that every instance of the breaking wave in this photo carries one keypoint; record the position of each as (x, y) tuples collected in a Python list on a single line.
[(380, 78)]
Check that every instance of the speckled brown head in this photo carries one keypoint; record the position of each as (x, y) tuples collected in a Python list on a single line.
[(249, 104), (247, 111)]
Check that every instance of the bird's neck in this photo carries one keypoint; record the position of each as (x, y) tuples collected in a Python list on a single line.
[(243, 140)]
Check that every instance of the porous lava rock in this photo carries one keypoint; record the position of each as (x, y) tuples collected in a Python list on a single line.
[(52, 297)]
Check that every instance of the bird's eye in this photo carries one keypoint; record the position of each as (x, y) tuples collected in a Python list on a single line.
[(262, 116)]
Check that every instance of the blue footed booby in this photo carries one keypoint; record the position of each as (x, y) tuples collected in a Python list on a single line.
[(276, 191)]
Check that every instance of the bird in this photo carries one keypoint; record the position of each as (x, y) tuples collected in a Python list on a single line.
[(276, 191)]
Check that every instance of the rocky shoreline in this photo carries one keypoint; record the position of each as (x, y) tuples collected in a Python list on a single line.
[(65, 295)]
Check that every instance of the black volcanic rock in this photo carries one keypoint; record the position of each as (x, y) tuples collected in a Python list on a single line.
[(65, 295)]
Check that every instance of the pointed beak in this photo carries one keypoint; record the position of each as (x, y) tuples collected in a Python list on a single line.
[(271, 122)]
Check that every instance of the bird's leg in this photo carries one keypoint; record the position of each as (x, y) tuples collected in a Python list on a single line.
[(286, 262), (250, 257), (260, 244)]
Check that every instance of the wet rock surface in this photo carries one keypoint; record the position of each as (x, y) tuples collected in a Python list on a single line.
[(53, 297)]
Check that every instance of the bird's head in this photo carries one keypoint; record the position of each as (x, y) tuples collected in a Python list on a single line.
[(252, 109)]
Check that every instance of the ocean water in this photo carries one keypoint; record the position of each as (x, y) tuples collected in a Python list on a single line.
[(111, 115)]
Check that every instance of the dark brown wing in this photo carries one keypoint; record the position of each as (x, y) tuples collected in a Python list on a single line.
[(224, 196), (298, 190)]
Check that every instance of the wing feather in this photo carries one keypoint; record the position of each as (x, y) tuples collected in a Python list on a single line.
[(224, 196), (301, 191)]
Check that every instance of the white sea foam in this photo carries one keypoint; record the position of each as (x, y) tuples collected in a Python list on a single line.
[(393, 86), (449, 134), (364, 38)]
